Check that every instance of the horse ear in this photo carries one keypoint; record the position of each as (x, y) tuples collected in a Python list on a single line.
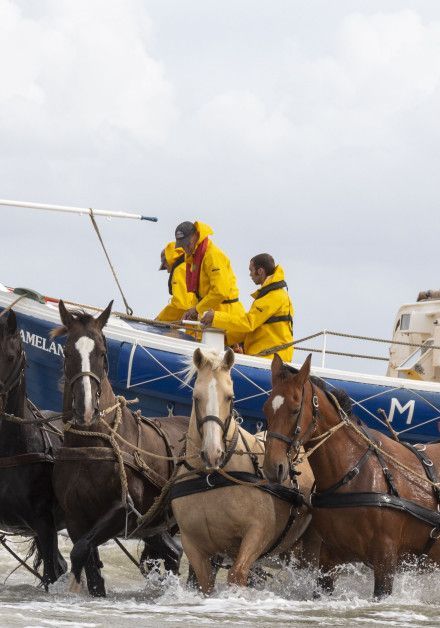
[(104, 316), (198, 358), (11, 322), (304, 371), (66, 316), (276, 366), (228, 359)]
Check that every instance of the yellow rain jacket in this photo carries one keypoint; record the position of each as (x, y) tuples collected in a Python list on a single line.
[(181, 300), (218, 284), (269, 321)]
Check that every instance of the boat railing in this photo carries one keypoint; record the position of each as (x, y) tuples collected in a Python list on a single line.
[(324, 351)]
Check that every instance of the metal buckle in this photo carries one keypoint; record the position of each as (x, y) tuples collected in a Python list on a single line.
[(435, 533), (208, 482), (315, 401)]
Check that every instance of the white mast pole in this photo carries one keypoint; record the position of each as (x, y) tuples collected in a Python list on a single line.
[(76, 210)]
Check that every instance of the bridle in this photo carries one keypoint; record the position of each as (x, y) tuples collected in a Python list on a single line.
[(71, 381), (293, 442), (14, 377), (201, 421)]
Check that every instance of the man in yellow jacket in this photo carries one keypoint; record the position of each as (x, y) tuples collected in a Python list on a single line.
[(209, 275), (173, 260), (269, 320)]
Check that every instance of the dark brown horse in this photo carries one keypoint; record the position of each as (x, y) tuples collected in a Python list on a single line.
[(367, 507), (27, 500), (104, 484)]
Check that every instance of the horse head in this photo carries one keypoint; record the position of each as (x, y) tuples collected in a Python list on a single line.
[(12, 357), (289, 417), (85, 362), (213, 402)]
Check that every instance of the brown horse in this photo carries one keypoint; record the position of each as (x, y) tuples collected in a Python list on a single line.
[(367, 507), (101, 478), (215, 518)]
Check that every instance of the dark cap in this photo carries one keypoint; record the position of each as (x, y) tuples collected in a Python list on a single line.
[(184, 231)]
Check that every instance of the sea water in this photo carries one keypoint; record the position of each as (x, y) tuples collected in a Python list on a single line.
[(285, 598)]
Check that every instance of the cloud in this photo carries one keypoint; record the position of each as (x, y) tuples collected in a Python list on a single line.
[(80, 76)]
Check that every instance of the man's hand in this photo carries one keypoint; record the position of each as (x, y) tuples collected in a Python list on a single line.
[(207, 318), (191, 315)]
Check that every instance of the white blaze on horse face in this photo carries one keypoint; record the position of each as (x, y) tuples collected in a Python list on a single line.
[(85, 346), (212, 442), (277, 402)]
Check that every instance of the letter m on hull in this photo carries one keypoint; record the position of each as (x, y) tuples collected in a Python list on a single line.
[(408, 407)]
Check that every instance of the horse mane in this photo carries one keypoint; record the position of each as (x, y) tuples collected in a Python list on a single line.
[(81, 316), (212, 357), (340, 394)]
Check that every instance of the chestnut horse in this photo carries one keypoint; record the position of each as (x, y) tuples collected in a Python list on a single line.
[(102, 478), (216, 516), (27, 448), (367, 507)]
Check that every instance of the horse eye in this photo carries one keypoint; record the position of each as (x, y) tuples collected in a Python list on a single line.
[(10, 358)]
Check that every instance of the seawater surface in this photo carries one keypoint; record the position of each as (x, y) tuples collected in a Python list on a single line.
[(284, 599)]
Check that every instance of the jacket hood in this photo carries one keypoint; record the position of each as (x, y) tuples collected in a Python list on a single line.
[(278, 275), (203, 230), (172, 253)]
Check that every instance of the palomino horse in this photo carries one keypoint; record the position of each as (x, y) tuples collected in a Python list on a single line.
[(27, 448), (217, 516), (375, 499), (103, 476)]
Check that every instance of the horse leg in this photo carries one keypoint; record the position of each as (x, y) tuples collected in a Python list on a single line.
[(162, 546), (250, 550), (105, 528), (384, 567), (47, 543), (327, 564), (200, 565), (95, 582)]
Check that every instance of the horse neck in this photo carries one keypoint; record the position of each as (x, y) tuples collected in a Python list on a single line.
[(16, 400), (13, 436), (337, 455)]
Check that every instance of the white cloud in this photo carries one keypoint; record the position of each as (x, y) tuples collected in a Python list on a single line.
[(81, 74)]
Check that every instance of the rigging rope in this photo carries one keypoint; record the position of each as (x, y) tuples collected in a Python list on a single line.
[(96, 228)]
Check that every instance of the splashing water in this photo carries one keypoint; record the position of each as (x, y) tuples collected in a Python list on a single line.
[(284, 598)]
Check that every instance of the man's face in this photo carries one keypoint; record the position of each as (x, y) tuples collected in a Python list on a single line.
[(257, 275), (190, 246)]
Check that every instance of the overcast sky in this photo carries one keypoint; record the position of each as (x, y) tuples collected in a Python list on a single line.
[(307, 129)]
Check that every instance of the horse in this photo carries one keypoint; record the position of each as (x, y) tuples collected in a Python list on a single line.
[(27, 448), (103, 476), (220, 510), (376, 500)]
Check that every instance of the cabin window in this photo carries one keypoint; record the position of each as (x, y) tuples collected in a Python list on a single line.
[(411, 362), (404, 322)]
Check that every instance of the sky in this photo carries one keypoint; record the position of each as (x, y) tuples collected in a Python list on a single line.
[(309, 130)]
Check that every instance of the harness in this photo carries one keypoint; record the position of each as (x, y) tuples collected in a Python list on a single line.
[(277, 285), (208, 481), (329, 498)]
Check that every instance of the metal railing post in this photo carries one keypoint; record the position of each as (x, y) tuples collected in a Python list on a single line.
[(324, 348)]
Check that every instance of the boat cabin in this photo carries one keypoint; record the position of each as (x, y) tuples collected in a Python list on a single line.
[(417, 324)]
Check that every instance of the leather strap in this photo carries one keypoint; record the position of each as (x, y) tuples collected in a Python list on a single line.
[(210, 481), (22, 459), (384, 500)]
